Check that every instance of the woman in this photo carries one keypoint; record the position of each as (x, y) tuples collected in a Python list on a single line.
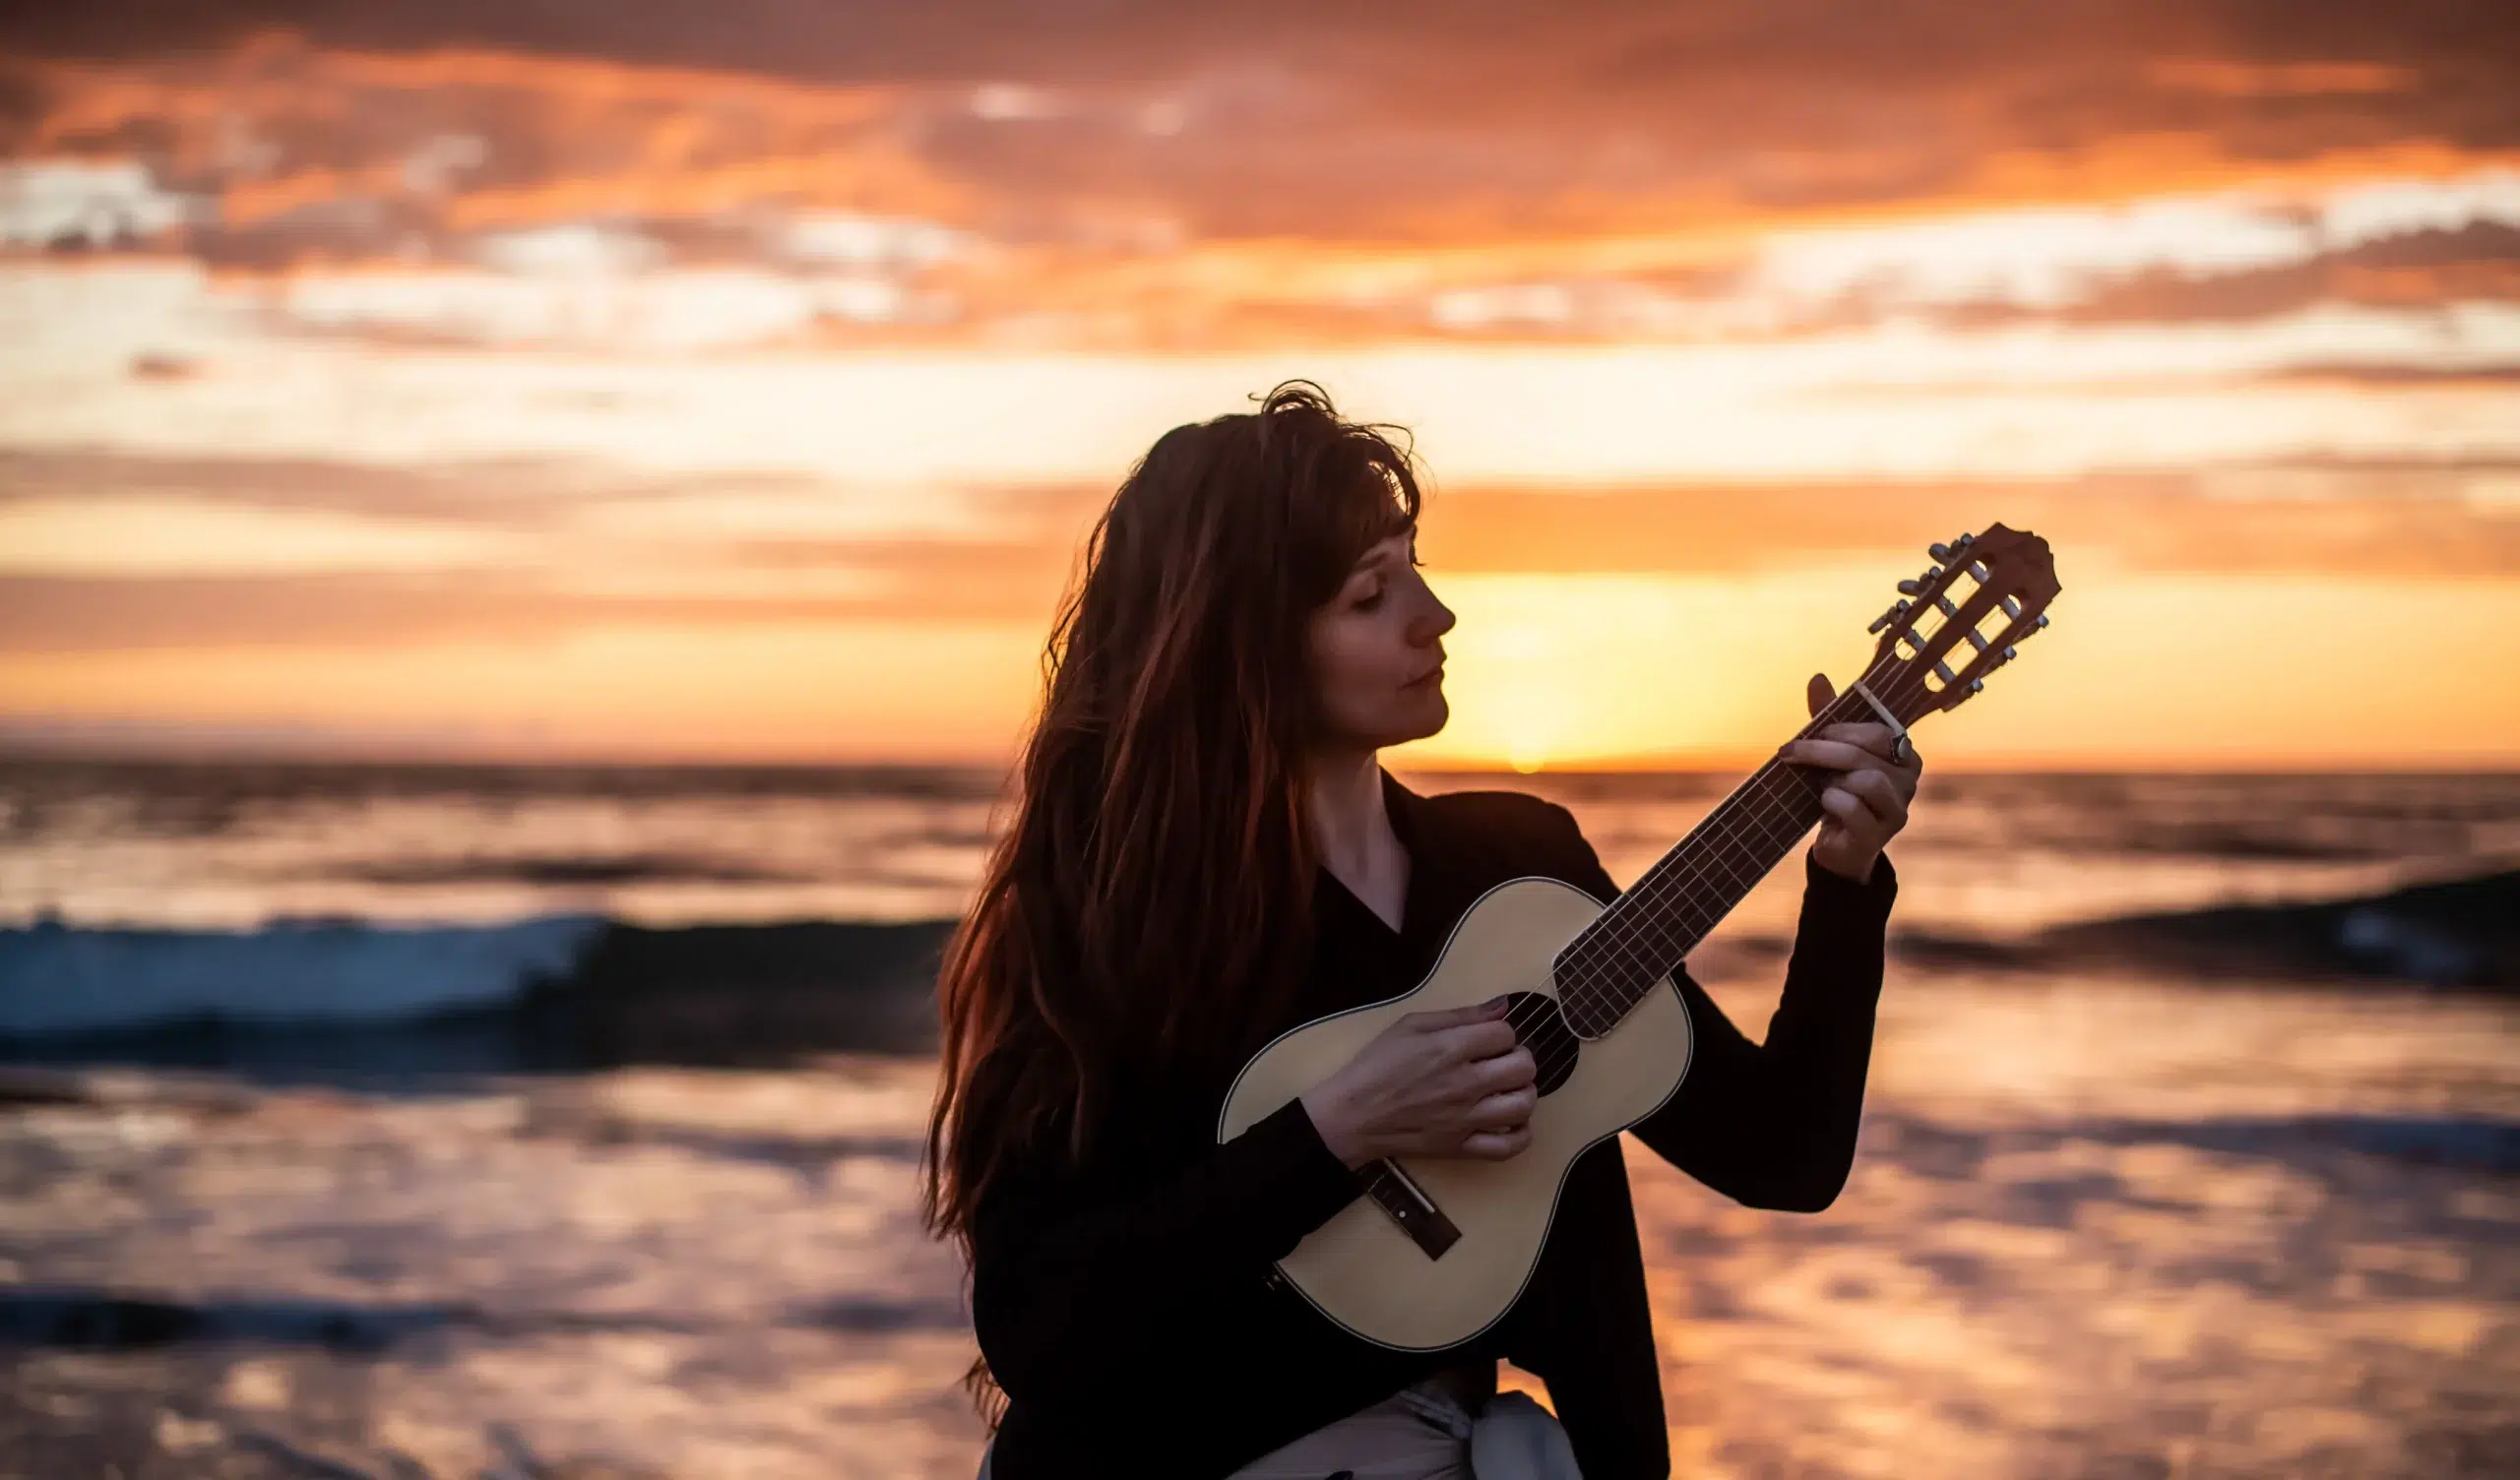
[(1204, 852)]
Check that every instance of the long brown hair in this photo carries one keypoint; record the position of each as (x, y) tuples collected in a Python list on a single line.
[(1139, 914)]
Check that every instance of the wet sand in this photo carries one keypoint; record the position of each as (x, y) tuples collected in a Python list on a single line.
[(2099, 1226)]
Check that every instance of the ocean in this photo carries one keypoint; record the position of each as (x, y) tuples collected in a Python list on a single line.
[(423, 1119)]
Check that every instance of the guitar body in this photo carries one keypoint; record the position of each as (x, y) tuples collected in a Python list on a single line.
[(1361, 1269)]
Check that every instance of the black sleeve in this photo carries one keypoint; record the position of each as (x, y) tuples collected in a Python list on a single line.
[(1774, 1125), (1072, 1292)]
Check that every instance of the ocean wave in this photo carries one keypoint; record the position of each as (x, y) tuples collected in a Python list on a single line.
[(560, 870), (582, 990), (549, 992), (2464, 933), (88, 1319), (58, 979)]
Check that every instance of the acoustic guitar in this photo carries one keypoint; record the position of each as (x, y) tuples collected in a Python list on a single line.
[(1440, 1248)]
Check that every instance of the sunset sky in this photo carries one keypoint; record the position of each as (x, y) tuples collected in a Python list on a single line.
[(637, 381)]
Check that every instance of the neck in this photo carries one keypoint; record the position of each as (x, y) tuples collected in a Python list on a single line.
[(1342, 800)]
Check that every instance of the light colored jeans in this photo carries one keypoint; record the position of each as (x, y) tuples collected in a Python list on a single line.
[(1424, 1433)]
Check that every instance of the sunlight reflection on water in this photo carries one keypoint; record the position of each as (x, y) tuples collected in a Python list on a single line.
[(2097, 1228), (2100, 1225)]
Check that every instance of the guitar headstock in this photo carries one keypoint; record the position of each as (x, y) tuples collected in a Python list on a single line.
[(1982, 595)]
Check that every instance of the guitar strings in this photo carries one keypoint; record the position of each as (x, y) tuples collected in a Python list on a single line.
[(1739, 834), (1759, 808), (1752, 803), (1743, 839), (1742, 827), (1751, 796), (1736, 837), (1720, 821), (1745, 828), (1743, 824), (1584, 986)]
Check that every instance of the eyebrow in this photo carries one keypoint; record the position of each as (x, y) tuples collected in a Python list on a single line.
[(1376, 556)]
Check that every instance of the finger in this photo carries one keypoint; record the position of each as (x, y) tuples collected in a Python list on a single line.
[(1847, 808), (1501, 1075), (1880, 793), (1449, 1017), (1474, 1041), (1497, 1145), (1832, 755), (1506, 1071), (1817, 693), (1872, 735), (1857, 817), (1505, 1110)]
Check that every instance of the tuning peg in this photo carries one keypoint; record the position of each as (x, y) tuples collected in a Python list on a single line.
[(1910, 587), (2012, 608), (1940, 551), (1965, 540), (2042, 623), (1977, 686), (1978, 569), (2010, 653)]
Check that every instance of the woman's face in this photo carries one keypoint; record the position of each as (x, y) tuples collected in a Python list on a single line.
[(1378, 666)]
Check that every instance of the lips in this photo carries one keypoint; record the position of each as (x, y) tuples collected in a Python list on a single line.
[(1429, 676)]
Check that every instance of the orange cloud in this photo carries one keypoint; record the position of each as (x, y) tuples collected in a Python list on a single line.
[(545, 575), (1430, 187), (2224, 77), (277, 126), (2408, 523)]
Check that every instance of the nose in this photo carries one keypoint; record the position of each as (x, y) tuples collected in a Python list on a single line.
[(1432, 622)]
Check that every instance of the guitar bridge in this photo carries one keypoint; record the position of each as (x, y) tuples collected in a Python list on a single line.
[(1398, 1193)]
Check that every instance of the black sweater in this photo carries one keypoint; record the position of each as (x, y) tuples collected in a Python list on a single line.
[(1126, 1306)]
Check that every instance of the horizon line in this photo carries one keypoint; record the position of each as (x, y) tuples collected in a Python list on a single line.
[(18, 750)]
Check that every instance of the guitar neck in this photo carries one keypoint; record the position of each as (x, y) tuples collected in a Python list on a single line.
[(1648, 931)]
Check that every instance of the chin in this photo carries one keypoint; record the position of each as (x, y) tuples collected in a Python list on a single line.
[(1424, 720)]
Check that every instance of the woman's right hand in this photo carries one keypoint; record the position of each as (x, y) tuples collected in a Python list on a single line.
[(1448, 1083)]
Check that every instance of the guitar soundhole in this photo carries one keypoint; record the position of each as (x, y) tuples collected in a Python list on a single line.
[(1543, 1030)]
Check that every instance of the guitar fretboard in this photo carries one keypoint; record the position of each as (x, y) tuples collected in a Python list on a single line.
[(1648, 931)]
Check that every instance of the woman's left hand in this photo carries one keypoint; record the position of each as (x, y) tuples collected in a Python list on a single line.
[(1866, 806)]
